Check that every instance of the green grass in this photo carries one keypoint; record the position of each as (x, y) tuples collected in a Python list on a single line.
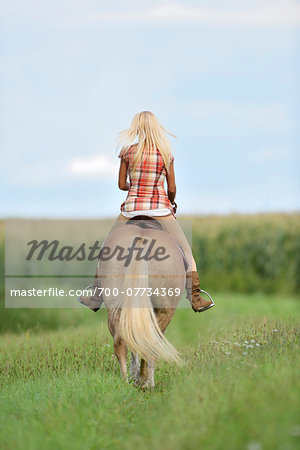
[(60, 387)]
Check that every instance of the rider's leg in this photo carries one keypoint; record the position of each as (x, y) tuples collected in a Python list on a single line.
[(170, 225), (95, 300)]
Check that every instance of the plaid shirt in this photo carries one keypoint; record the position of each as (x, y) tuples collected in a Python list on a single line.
[(146, 182)]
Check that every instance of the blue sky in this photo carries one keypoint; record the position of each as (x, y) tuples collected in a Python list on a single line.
[(222, 76)]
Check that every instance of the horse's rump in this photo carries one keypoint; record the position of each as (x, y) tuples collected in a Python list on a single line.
[(152, 277)]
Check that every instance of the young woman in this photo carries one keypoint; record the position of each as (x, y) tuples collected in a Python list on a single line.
[(148, 163)]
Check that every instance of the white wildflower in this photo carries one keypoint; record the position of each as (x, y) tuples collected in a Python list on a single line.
[(254, 445), (295, 431)]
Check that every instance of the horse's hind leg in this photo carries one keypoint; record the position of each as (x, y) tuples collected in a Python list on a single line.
[(120, 349), (146, 378), (164, 317), (143, 373), (151, 367), (134, 367)]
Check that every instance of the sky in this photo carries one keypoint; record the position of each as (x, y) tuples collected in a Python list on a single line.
[(222, 76)]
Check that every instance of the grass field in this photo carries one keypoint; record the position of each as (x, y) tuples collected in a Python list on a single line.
[(240, 388)]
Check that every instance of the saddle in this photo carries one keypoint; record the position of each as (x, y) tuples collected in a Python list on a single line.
[(148, 222)]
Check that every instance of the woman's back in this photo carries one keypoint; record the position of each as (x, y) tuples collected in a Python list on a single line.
[(147, 180)]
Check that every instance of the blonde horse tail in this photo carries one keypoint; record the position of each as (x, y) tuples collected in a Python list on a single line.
[(138, 326)]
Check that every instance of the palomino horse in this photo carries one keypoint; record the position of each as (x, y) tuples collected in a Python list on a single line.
[(141, 270)]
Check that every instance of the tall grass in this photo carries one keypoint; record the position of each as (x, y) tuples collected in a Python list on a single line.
[(249, 253)]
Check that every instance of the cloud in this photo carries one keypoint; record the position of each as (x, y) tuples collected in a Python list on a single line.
[(98, 165), (267, 13)]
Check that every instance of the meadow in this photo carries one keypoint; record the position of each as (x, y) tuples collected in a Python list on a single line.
[(240, 387), (60, 385)]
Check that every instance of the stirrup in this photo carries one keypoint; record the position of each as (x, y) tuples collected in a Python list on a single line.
[(205, 308), (213, 303)]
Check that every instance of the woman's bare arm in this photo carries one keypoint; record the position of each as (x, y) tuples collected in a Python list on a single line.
[(123, 183), (171, 183)]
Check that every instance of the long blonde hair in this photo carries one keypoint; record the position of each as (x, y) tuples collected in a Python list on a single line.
[(151, 135)]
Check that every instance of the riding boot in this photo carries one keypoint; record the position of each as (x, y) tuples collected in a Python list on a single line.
[(193, 293), (95, 301)]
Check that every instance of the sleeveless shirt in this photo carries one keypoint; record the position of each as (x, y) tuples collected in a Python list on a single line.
[(146, 181)]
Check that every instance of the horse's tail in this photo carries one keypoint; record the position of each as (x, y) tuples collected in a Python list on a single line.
[(138, 326)]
